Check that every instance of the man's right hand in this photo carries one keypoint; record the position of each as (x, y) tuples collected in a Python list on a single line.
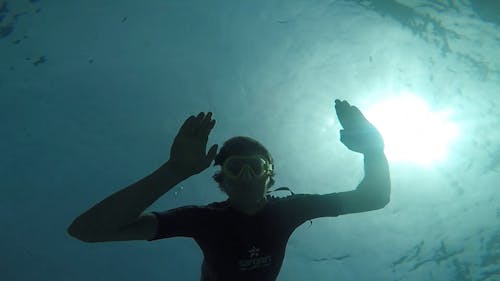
[(187, 154)]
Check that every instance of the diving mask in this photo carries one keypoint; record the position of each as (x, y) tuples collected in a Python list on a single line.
[(249, 166)]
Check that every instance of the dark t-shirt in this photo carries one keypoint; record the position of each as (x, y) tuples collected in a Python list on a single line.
[(241, 247)]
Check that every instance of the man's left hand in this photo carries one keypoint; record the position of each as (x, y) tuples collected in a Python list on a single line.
[(358, 133)]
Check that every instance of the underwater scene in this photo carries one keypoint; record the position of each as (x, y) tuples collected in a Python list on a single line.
[(267, 140)]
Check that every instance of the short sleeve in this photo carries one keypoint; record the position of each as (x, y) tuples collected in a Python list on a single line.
[(300, 208), (187, 221)]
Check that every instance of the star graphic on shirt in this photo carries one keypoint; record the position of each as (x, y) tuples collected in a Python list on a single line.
[(254, 252)]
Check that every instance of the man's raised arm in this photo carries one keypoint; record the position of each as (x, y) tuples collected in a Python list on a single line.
[(188, 157), (361, 136)]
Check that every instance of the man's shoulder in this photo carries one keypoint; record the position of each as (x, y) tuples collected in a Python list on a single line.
[(217, 206), (289, 198), (193, 211), (196, 208), (302, 199), (284, 200)]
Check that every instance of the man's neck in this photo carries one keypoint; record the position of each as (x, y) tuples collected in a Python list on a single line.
[(249, 208)]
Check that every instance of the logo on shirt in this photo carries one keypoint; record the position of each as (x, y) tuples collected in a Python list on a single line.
[(255, 260), (254, 252)]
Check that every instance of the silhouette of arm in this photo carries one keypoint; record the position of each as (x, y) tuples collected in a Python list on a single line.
[(361, 136)]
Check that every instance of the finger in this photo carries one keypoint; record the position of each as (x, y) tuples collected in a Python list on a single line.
[(192, 125), (342, 136), (349, 115), (341, 106), (212, 152), (343, 112), (207, 125), (206, 119), (187, 125), (204, 131), (200, 116)]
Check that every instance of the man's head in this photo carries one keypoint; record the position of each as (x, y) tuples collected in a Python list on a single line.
[(247, 167)]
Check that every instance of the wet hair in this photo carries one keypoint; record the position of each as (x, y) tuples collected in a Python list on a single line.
[(241, 145)]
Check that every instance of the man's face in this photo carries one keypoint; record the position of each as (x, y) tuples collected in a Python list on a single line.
[(247, 186)]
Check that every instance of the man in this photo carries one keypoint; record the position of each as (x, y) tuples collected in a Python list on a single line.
[(244, 237)]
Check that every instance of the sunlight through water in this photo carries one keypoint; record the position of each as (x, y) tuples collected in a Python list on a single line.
[(412, 132)]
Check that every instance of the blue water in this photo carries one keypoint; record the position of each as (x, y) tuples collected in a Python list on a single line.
[(92, 94)]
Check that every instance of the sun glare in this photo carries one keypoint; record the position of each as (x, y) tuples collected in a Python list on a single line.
[(412, 133)]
